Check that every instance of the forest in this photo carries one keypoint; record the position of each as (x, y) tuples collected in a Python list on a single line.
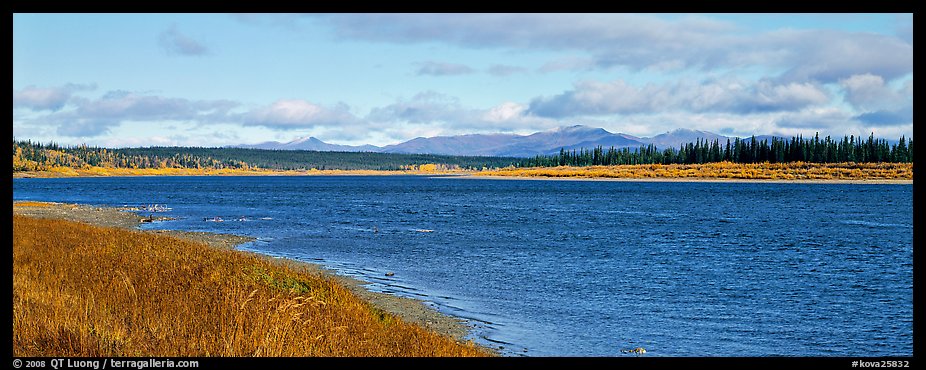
[(32, 156), (776, 150)]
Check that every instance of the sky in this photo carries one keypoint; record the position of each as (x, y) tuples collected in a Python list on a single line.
[(129, 80)]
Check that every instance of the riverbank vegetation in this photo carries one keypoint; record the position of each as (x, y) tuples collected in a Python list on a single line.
[(723, 170), (77, 160), (767, 158), (850, 149), (82, 290), (851, 158)]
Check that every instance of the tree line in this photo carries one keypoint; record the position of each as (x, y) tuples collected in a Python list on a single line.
[(32, 156), (775, 150)]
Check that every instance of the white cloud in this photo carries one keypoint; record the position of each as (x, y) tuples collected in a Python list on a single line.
[(878, 103), (46, 98), (296, 113), (730, 95), (789, 96), (869, 92), (814, 119), (133, 141), (646, 42), (121, 105), (95, 117), (829, 56), (505, 112), (424, 107), (447, 113)]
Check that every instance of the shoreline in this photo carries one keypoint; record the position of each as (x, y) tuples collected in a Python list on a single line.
[(477, 176), (408, 309), (692, 179), (254, 173)]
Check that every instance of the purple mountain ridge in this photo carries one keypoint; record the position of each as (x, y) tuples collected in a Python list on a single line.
[(678, 137), (511, 145), (311, 143)]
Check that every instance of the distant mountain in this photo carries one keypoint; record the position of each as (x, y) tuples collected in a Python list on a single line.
[(311, 143), (767, 138), (511, 145), (579, 137), (677, 137), (474, 144)]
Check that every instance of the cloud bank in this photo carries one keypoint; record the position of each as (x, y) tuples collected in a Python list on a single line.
[(646, 42), (734, 96)]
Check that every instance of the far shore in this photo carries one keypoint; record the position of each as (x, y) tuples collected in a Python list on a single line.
[(693, 179), (195, 172), (475, 176)]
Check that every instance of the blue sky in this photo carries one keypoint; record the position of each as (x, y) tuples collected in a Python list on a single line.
[(221, 79)]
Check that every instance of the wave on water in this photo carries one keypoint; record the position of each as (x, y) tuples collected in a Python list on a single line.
[(873, 224)]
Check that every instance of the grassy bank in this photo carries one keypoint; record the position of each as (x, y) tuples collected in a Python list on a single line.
[(82, 290), (723, 170)]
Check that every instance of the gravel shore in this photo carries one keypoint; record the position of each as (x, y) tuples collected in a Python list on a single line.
[(408, 309)]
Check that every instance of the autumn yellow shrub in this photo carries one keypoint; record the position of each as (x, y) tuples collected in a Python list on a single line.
[(785, 171)]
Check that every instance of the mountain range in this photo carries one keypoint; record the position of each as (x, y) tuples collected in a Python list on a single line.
[(509, 145)]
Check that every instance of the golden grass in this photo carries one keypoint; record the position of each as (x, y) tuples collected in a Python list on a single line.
[(29, 203), (82, 290), (724, 170)]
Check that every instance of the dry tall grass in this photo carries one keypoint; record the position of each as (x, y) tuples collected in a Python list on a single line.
[(725, 170), (29, 203), (82, 290)]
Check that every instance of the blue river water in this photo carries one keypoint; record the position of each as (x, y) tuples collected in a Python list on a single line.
[(581, 268)]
